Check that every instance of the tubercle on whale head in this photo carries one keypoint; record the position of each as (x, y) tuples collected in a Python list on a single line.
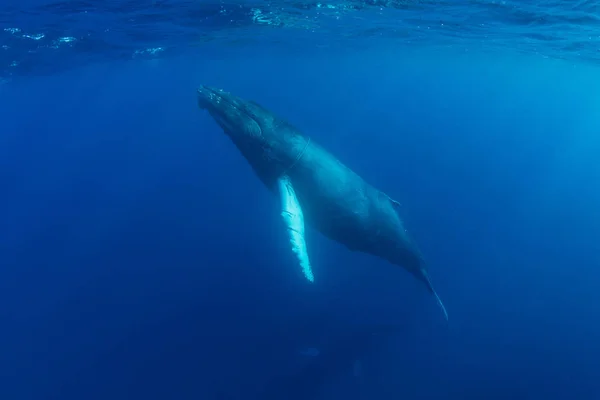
[(209, 97), (238, 118)]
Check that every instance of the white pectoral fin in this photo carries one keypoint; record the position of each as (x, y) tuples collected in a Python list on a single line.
[(294, 220)]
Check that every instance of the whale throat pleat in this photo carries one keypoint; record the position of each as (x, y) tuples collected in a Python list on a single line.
[(294, 220)]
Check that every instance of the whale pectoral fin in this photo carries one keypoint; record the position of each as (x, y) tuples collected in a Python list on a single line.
[(294, 220)]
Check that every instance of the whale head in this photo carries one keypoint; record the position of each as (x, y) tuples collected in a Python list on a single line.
[(257, 133), (240, 119)]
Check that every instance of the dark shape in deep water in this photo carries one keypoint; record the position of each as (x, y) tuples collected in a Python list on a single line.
[(310, 181), (341, 354)]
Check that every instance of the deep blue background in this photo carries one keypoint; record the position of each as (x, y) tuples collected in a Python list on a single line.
[(141, 258)]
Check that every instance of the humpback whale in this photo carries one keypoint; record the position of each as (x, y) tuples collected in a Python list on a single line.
[(315, 186)]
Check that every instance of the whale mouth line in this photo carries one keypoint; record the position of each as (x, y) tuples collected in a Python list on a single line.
[(298, 157)]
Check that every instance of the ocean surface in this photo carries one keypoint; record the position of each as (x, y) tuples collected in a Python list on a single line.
[(141, 257), (45, 37)]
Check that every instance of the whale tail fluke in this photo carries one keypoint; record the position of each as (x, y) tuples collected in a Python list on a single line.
[(425, 278), (441, 304)]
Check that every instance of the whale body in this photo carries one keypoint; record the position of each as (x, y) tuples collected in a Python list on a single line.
[(315, 186)]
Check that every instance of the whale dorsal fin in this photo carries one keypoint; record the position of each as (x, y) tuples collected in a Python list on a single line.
[(395, 203), (294, 220)]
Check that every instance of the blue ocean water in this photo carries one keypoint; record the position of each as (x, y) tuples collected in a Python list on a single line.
[(140, 257)]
